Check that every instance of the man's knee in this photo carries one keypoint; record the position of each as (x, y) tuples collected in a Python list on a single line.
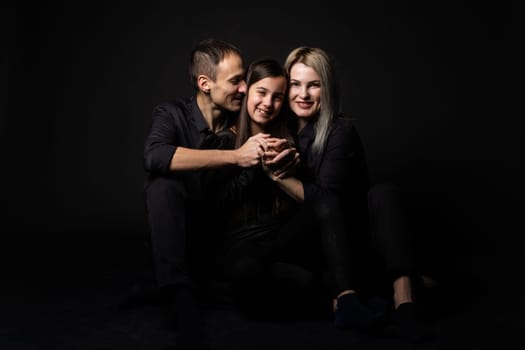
[(162, 186), (167, 210)]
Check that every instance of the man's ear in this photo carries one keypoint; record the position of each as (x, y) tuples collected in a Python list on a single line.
[(204, 83)]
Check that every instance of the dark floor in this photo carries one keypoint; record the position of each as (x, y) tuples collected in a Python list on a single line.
[(63, 293)]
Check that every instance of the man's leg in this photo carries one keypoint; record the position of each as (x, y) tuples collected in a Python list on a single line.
[(166, 205)]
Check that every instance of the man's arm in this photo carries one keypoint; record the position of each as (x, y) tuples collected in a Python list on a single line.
[(164, 152), (248, 155)]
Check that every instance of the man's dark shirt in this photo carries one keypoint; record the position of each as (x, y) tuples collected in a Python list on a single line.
[(176, 123)]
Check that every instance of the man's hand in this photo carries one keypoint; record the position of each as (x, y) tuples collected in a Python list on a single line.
[(251, 152)]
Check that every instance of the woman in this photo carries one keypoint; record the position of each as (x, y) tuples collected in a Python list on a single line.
[(334, 171)]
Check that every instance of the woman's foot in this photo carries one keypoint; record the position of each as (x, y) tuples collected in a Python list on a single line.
[(410, 326), (352, 313)]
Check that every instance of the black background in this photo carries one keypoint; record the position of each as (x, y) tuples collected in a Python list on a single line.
[(429, 84)]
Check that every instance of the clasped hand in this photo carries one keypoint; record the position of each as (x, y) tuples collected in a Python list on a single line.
[(280, 158), (277, 156)]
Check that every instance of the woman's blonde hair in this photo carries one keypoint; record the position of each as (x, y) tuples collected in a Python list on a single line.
[(320, 61)]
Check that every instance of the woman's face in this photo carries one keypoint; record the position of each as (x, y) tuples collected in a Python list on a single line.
[(305, 91), (265, 99)]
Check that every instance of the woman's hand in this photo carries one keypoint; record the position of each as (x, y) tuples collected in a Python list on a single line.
[(280, 159)]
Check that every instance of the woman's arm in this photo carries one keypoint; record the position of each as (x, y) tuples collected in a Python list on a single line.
[(291, 186)]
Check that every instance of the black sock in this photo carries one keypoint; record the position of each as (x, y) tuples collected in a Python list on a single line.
[(351, 312), (407, 318)]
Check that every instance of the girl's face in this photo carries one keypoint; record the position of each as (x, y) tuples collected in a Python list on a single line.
[(305, 91), (264, 101)]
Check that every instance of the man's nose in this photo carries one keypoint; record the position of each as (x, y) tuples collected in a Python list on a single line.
[(242, 87)]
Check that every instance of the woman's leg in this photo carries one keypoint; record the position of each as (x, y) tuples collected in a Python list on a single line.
[(393, 239), (342, 233)]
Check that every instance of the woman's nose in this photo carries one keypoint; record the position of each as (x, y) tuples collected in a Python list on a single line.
[(304, 92)]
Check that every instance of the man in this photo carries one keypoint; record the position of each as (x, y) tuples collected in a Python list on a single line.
[(183, 229)]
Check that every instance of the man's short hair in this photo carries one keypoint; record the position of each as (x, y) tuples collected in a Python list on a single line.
[(206, 56)]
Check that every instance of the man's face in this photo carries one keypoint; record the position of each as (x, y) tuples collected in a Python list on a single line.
[(228, 89)]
